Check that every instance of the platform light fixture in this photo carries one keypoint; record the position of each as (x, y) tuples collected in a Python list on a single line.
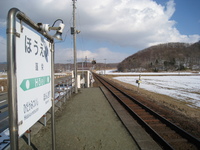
[(46, 28)]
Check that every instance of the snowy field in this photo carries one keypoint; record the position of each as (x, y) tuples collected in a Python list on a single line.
[(184, 88), (3, 75)]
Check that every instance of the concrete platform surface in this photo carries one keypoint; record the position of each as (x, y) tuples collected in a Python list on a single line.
[(86, 122)]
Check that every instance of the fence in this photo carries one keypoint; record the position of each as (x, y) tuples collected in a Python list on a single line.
[(63, 91)]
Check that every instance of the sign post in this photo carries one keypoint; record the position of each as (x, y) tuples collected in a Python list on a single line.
[(30, 59), (52, 99)]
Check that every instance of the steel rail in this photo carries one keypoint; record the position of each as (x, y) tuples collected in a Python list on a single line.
[(153, 133), (180, 131)]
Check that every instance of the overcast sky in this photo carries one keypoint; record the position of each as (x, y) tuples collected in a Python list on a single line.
[(110, 29)]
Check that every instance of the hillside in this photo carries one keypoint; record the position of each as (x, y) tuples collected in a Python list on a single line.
[(164, 57)]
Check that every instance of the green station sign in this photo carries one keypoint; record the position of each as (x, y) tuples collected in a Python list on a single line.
[(28, 84)]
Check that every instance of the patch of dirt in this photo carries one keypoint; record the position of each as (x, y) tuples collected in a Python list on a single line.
[(173, 109)]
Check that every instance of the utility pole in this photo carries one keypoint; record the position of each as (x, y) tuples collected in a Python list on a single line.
[(105, 67), (85, 61), (74, 39)]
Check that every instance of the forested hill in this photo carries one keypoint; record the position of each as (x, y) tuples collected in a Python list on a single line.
[(164, 57)]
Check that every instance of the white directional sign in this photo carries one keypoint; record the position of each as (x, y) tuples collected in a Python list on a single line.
[(33, 72)]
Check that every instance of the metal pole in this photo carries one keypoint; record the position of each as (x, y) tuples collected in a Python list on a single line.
[(29, 136), (52, 99), (105, 67), (12, 85), (74, 39)]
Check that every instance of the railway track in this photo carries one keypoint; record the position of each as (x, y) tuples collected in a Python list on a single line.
[(165, 133)]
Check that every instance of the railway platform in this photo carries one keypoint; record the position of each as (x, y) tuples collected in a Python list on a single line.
[(87, 121)]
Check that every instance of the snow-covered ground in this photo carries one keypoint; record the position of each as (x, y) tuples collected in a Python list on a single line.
[(3, 75), (184, 88)]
